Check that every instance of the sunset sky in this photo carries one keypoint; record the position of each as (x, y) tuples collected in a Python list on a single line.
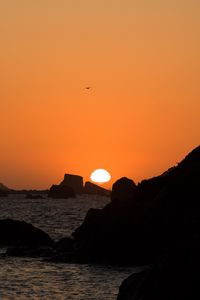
[(142, 113)]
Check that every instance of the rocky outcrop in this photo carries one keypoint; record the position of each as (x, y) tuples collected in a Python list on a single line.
[(139, 228), (173, 276), (21, 234), (94, 189), (73, 181), (123, 189), (61, 192)]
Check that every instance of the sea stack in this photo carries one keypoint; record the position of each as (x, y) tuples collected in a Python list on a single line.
[(73, 181)]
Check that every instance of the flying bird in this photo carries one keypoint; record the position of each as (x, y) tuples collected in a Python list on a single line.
[(88, 87)]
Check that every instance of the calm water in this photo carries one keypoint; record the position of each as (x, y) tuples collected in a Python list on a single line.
[(22, 278)]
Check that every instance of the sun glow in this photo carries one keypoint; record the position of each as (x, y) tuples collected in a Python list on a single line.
[(100, 176)]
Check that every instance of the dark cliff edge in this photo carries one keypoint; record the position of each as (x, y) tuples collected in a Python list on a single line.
[(142, 222)]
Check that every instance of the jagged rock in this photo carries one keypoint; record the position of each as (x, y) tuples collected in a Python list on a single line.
[(94, 189), (20, 233), (73, 181), (61, 191), (123, 189)]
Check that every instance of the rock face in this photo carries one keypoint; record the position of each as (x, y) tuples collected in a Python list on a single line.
[(93, 189), (173, 276), (161, 212), (61, 192), (19, 233), (3, 193), (123, 189), (68, 188), (73, 181)]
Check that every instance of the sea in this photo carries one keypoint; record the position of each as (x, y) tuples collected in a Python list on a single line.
[(32, 278)]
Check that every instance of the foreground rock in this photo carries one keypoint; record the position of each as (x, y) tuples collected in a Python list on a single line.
[(21, 234), (175, 275), (146, 221)]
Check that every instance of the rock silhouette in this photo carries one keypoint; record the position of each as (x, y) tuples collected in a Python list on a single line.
[(137, 230), (61, 191), (73, 181), (123, 189), (175, 275), (93, 189), (20, 233)]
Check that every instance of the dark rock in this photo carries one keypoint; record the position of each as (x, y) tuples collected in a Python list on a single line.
[(93, 189), (3, 193), (64, 245), (73, 181), (61, 191), (64, 251), (20, 233), (30, 196), (41, 251), (123, 189), (175, 275)]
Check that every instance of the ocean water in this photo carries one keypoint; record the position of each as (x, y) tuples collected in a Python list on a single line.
[(28, 278)]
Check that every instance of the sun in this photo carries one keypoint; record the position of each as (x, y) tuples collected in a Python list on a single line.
[(100, 176)]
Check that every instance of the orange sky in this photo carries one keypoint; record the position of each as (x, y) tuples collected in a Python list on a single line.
[(141, 116)]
